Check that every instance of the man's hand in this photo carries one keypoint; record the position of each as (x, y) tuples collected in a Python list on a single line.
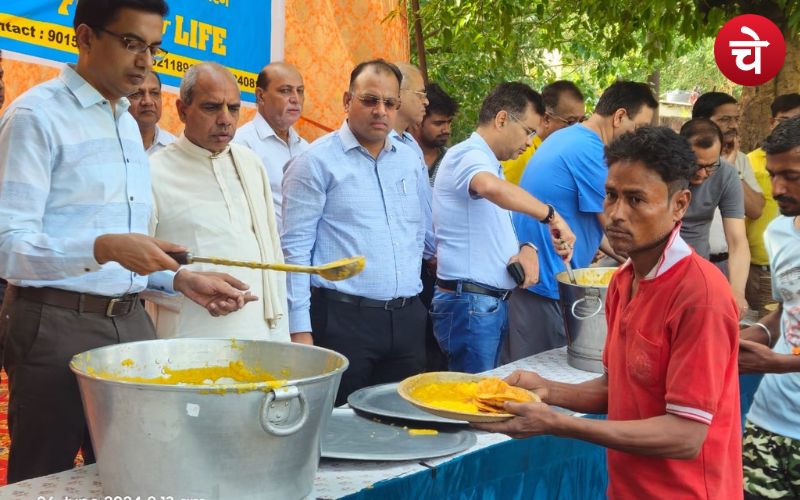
[(562, 236), (741, 303), (532, 419), (302, 338), (219, 293), (756, 358), (531, 381), (529, 260), (139, 253)]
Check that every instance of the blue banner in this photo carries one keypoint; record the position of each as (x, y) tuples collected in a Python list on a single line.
[(242, 35)]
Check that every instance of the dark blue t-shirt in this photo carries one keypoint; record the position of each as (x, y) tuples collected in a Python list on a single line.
[(569, 172)]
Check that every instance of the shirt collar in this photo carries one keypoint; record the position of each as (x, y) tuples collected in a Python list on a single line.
[(675, 251), (84, 92), (159, 137), (349, 140), (194, 150), (264, 130)]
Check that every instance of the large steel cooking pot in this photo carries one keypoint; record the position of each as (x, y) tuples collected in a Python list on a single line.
[(583, 310), (236, 441)]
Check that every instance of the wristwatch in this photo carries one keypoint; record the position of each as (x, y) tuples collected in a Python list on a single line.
[(528, 244), (551, 212)]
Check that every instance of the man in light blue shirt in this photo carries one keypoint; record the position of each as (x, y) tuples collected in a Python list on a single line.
[(475, 239), (569, 171), (355, 192), (771, 444), (75, 204)]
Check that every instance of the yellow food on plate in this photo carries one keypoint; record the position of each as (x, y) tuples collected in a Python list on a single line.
[(422, 432), (484, 396), (589, 277)]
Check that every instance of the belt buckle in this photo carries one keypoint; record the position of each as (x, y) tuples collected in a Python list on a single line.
[(111, 305), (505, 295), (388, 307)]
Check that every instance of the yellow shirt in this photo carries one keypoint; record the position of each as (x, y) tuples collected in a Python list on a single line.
[(513, 169), (755, 228)]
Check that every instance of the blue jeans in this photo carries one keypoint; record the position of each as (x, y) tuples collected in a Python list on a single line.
[(470, 329)]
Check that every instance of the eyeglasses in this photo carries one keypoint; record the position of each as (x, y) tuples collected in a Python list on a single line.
[(568, 121), (531, 133), (710, 169), (779, 119), (137, 46), (372, 101), (420, 93), (726, 119)]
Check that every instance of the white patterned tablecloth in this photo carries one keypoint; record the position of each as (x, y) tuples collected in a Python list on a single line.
[(335, 478)]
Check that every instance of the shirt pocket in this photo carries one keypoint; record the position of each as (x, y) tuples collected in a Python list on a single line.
[(408, 199), (644, 360)]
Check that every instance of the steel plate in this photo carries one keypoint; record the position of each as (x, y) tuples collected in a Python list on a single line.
[(383, 400), (352, 437)]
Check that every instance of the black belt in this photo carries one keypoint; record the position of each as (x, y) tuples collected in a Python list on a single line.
[(81, 302), (356, 300), (468, 286), (718, 257)]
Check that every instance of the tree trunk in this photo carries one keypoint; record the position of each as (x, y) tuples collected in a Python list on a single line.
[(419, 41), (756, 101), (654, 80)]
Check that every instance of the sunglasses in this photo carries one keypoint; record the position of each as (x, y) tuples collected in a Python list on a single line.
[(372, 101), (568, 121)]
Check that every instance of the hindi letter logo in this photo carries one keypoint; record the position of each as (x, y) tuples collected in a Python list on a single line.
[(749, 50)]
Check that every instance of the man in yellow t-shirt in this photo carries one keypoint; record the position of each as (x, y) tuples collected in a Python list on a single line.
[(564, 106), (758, 291)]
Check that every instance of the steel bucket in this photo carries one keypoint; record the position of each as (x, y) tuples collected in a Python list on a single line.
[(236, 441), (583, 310)]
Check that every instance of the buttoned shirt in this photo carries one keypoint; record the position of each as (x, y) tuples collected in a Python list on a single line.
[(423, 188), (339, 201), (71, 169), (474, 237), (160, 140), (273, 151)]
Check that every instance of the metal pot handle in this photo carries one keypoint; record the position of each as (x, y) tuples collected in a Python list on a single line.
[(282, 394), (584, 299)]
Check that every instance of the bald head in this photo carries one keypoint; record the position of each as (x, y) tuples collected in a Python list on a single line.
[(280, 95), (209, 106), (412, 96)]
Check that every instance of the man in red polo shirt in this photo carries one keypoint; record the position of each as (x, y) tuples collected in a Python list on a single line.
[(670, 386)]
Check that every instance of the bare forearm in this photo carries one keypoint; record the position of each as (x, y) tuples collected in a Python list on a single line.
[(509, 196), (757, 334), (606, 248), (665, 436), (753, 202), (587, 397), (738, 264)]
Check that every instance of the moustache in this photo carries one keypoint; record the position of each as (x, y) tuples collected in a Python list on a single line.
[(785, 199)]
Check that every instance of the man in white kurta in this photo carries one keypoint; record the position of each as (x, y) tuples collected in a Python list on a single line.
[(214, 197)]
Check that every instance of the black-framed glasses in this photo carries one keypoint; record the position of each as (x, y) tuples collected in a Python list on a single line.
[(531, 133), (568, 121), (711, 168), (137, 46), (372, 101)]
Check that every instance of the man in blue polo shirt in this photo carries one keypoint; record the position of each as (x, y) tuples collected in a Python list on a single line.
[(569, 171), (475, 239)]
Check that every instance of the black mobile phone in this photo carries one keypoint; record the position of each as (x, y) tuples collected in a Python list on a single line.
[(516, 272)]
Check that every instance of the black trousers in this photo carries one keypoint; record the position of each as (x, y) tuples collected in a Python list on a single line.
[(45, 414), (436, 360), (382, 346)]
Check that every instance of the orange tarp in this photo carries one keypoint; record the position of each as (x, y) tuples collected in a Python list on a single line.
[(324, 39)]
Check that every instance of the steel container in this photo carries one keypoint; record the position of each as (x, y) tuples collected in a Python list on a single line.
[(583, 311), (233, 441)]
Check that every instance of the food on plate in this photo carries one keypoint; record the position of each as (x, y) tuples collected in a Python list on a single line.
[(492, 393), (484, 396), (422, 432)]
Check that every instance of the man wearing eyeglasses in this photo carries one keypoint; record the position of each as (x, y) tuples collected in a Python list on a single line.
[(358, 192), (75, 203), (564, 107), (146, 110), (475, 240), (758, 291), (569, 171), (715, 186)]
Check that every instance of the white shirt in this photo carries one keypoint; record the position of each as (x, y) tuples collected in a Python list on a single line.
[(273, 151), (160, 141), (201, 202)]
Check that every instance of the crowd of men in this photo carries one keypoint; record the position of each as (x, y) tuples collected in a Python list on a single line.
[(462, 245)]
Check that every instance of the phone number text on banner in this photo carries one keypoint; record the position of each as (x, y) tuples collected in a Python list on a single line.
[(236, 33)]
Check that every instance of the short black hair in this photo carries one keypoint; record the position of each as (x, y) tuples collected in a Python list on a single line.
[(630, 96), (706, 104), (659, 149), (784, 103), (784, 137), (512, 97), (100, 13), (552, 92), (439, 101), (380, 65), (262, 80), (702, 132)]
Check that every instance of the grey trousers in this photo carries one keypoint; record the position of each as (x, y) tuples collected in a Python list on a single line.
[(45, 414), (535, 325)]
